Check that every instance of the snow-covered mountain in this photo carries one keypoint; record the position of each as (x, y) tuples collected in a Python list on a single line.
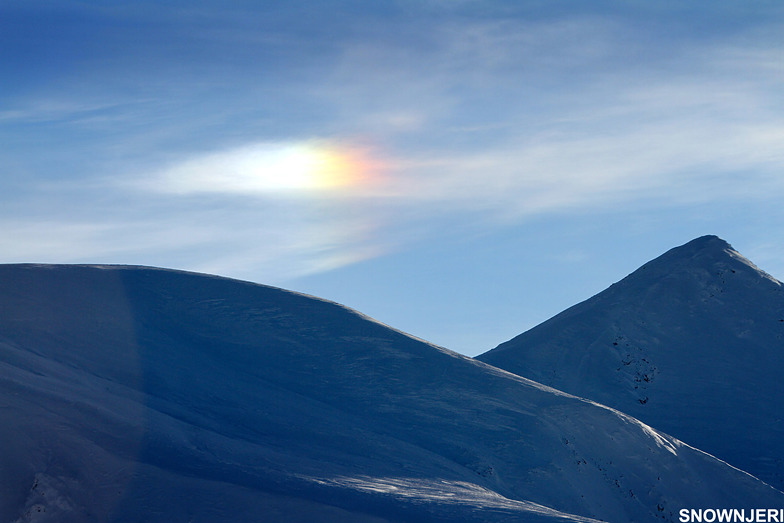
[(139, 394), (691, 343)]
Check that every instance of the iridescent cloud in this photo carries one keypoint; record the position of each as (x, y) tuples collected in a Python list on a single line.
[(291, 167)]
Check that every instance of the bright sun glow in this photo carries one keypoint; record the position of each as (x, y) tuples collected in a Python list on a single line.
[(309, 167), (274, 168)]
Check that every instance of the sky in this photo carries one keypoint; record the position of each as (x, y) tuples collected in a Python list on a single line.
[(460, 170)]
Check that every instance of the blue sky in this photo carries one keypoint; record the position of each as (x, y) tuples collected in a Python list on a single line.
[(460, 170)]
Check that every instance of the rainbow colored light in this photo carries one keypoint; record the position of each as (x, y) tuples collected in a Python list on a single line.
[(294, 167), (309, 167)]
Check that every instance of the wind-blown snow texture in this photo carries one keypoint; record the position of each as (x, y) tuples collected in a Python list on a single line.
[(138, 394), (691, 343)]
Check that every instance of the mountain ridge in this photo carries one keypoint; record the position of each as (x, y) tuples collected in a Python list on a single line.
[(689, 343), (136, 393)]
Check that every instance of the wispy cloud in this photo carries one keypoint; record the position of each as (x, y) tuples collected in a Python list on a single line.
[(640, 136), (696, 130), (279, 244), (284, 168), (256, 156)]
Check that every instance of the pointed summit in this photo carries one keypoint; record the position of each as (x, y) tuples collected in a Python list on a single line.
[(706, 242), (703, 248), (690, 343), (706, 252)]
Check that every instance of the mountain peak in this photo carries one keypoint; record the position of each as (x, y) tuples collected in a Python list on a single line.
[(705, 258), (708, 242), (695, 332), (709, 246)]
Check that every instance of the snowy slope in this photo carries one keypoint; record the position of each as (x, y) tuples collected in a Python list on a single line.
[(691, 343), (138, 394)]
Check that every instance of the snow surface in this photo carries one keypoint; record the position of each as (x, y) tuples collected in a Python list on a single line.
[(692, 343), (140, 394)]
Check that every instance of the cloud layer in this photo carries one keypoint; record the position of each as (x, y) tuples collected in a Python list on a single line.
[(295, 139)]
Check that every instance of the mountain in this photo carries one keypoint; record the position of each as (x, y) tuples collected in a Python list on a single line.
[(691, 343), (141, 394)]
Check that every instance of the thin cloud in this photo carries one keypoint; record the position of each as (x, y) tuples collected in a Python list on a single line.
[(632, 138), (267, 169), (494, 118), (246, 243)]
